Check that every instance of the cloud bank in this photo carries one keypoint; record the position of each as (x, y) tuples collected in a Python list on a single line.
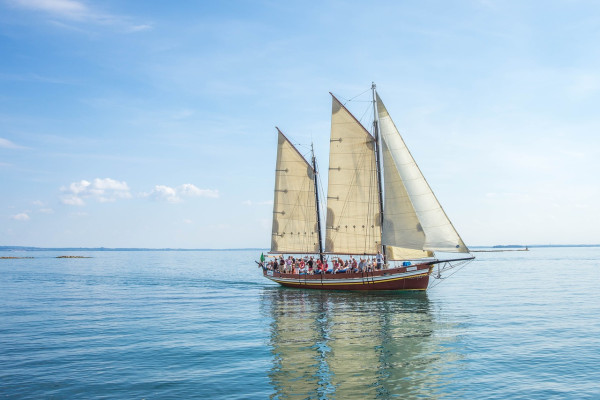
[(176, 195), (102, 190)]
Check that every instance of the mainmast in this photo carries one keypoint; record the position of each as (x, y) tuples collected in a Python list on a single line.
[(378, 163), (314, 165)]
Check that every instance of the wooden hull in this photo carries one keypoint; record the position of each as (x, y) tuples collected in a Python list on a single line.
[(414, 277)]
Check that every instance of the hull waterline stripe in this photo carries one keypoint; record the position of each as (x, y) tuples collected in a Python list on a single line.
[(355, 281)]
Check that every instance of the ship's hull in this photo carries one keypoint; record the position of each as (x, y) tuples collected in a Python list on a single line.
[(415, 277)]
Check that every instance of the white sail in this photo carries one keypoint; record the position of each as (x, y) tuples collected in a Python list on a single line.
[(294, 207), (402, 253), (416, 219), (401, 225), (353, 219)]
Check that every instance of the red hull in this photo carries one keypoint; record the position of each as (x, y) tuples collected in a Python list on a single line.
[(415, 277)]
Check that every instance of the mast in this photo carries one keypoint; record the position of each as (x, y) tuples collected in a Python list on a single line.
[(314, 164), (378, 163)]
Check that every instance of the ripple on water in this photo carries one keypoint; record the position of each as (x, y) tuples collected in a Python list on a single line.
[(207, 325)]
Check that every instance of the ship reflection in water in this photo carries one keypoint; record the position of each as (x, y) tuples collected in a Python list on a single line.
[(350, 345)]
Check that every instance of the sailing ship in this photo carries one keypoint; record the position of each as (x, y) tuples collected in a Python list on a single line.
[(378, 205)]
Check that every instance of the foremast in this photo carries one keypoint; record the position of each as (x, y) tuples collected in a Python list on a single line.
[(314, 165)]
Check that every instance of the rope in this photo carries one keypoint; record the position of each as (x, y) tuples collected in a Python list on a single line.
[(358, 95), (459, 265), (365, 113)]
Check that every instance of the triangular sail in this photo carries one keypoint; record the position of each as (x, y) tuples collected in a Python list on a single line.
[(413, 216), (294, 207), (400, 223), (353, 218)]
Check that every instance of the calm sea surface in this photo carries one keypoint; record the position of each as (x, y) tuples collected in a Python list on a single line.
[(166, 325)]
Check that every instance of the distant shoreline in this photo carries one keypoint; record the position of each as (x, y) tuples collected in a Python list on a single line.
[(31, 248), (514, 246), (28, 248)]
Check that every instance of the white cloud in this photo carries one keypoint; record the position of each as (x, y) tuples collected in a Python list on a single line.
[(64, 8), (187, 189), (110, 184), (139, 28), (162, 192), (78, 187), (46, 211), (174, 195), (7, 144), (79, 11), (72, 200), (21, 217), (102, 190)]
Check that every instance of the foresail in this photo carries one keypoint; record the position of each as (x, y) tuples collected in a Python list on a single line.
[(294, 208), (401, 253), (400, 223), (353, 225), (401, 226), (413, 214)]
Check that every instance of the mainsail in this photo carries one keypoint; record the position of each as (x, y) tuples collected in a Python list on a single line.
[(294, 207), (413, 217), (353, 219)]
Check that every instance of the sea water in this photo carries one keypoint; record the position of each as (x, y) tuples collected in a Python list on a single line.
[(207, 325)]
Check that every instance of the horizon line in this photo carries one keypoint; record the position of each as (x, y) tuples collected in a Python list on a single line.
[(101, 248)]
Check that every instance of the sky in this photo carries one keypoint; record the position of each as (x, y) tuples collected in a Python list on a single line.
[(152, 124)]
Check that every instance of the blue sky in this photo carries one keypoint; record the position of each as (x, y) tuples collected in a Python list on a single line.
[(151, 124)]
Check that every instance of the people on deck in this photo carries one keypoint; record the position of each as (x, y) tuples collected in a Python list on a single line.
[(319, 268), (353, 264), (281, 263), (362, 265), (310, 265)]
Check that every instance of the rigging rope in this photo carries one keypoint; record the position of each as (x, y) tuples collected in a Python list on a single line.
[(352, 98), (459, 265)]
